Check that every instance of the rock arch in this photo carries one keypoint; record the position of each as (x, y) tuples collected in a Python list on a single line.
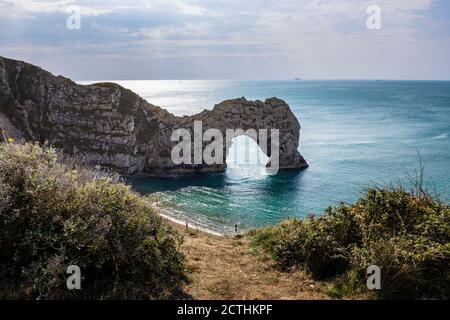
[(108, 125), (245, 115)]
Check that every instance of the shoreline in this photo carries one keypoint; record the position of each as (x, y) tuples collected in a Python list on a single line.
[(189, 225), (185, 224)]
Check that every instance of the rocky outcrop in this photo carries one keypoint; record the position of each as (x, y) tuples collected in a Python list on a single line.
[(108, 125)]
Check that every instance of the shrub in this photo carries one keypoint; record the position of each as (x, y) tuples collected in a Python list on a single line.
[(55, 214), (318, 245), (406, 234)]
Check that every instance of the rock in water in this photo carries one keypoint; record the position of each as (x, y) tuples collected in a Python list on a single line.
[(108, 125)]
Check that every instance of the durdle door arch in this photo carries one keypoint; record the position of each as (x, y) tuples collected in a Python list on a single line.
[(107, 125)]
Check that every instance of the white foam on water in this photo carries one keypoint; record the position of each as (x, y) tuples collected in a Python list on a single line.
[(441, 136)]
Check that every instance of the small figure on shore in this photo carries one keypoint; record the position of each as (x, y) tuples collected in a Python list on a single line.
[(187, 226), (236, 227)]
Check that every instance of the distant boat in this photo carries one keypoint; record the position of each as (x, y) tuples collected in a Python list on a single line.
[(298, 79)]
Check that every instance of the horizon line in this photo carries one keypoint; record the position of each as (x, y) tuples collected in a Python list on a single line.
[(268, 79)]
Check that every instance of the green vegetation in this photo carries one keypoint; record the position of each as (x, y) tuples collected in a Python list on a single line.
[(406, 234), (54, 213)]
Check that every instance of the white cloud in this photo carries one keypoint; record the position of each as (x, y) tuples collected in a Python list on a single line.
[(188, 9), (308, 35), (188, 29), (26, 8), (94, 8)]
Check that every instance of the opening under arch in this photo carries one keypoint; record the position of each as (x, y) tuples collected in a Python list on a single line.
[(245, 158)]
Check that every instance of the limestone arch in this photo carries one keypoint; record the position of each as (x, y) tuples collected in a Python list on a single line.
[(243, 116), (107, 125)]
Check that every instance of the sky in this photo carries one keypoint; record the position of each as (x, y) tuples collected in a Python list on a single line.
[(230, 39)]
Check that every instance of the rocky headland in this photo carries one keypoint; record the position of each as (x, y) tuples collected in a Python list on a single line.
[(108, 125)]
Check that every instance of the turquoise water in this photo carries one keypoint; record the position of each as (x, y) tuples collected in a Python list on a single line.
[(354, 133)]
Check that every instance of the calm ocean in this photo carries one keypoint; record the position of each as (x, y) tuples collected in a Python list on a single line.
[(354, 133)]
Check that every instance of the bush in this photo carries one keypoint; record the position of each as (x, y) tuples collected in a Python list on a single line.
[(406, 234), (55, 214)]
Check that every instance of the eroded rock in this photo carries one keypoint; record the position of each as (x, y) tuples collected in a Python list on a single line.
[(108, 125)]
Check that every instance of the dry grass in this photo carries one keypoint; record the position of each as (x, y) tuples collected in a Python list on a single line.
[(227, 268)]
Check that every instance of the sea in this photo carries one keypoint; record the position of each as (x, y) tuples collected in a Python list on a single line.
[(355, 134)]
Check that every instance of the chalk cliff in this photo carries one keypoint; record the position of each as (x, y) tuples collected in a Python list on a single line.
[(108, 125)]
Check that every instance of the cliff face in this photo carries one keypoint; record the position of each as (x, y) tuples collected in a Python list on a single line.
[(108, 125)]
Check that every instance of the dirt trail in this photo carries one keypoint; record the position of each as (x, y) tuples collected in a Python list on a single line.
[(227, 268)]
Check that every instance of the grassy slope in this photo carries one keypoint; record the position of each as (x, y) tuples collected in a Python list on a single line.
[(227, 268)]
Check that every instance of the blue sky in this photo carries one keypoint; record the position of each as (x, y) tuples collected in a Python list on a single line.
[(230, 39)]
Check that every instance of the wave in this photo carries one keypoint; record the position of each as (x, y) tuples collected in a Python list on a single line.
[(340, 143), (441, 136), (197, 222), (192, 224)]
